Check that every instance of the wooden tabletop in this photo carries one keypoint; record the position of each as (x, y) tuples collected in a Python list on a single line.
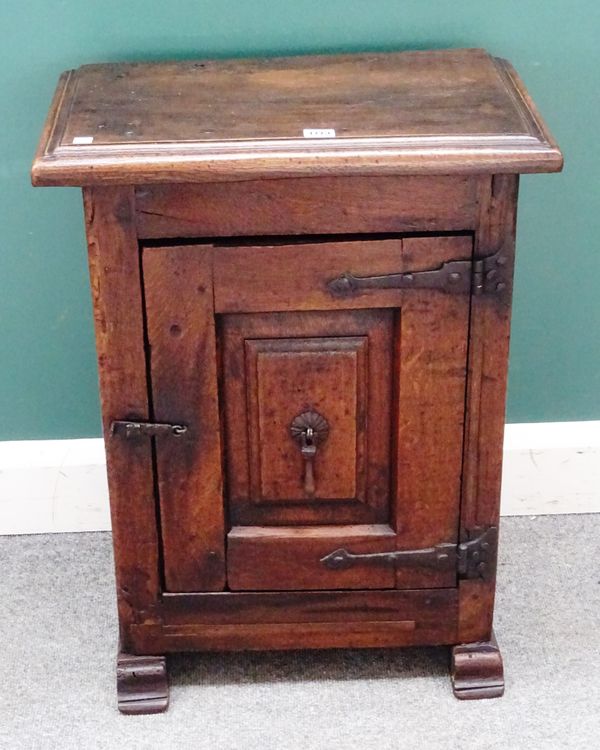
[(438, 112)]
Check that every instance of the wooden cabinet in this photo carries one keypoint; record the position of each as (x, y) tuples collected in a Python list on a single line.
[(302, 301)]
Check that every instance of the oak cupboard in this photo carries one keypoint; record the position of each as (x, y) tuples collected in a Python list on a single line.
[(301, 272)]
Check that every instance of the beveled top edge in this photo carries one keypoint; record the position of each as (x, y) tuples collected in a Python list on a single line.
[(533, 150)]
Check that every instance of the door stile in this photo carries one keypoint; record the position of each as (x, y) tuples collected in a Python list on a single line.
[(433, 335), (183, 365)]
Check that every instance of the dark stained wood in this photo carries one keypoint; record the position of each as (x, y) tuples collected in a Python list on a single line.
[(275, 558), (431, 345), (430, 374), (118, 317), (317, 368), (488, 363), (183, 372), (486, 400), (142, 684), (219, 533), (309, 205), (278, 366), (56, 119), (477, 670), (284, 636), (281, 636), (271, 277), (410, 112), (360, 96), (426, 607)]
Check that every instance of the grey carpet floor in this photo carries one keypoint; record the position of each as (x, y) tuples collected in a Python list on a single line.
[(58, 630)]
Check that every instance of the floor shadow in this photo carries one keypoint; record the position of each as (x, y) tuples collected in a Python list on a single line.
[(297, 666)]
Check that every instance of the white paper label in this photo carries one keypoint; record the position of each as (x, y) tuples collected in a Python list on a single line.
[(83, 140), (318, 133)]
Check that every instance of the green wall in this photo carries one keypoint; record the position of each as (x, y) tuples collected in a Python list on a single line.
[(47, 364)]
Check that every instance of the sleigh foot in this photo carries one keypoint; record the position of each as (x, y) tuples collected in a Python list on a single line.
[(477, 670), (142, 684)]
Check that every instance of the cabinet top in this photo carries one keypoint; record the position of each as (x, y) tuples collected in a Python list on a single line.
[(437, 112)]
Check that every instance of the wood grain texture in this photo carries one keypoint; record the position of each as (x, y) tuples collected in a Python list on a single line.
[(357, 449), (309, 205), (427, 608), (284, 636), (288, 377), (283, 277), (428, 378), (118, 317), (56, 118), (486, 399), (410, 112), (272, 558), (431, 345), (183, 371)]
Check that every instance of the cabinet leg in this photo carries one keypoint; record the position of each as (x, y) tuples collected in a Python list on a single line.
[(477, 670), (142, 684)]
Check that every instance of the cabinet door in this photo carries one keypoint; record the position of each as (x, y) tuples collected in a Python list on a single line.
[(335, 420)]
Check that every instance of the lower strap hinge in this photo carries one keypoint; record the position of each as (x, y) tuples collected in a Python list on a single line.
[(476, 556), (473, 558)]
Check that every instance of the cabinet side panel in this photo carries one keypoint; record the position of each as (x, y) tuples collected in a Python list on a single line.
[(486, 397), (118, 317)]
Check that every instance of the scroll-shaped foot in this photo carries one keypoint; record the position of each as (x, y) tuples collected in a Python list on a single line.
[(477, 670), (142, 684)]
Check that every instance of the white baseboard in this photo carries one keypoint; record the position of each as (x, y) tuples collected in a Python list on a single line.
[(60, 485), (551, 467), (53, 485)]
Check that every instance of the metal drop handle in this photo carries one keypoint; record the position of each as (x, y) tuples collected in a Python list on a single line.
[(309, 451), (309, 429)]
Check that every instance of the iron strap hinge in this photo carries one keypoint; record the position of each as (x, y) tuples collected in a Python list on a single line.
[(130, 429), (473, 558), (476, 554), (487, 275)]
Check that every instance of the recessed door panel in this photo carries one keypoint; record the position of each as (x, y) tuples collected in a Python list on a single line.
[(304, 444), (287, 374)]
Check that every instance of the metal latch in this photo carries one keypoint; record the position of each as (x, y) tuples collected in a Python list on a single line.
[(129, 429), (473, 558)]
